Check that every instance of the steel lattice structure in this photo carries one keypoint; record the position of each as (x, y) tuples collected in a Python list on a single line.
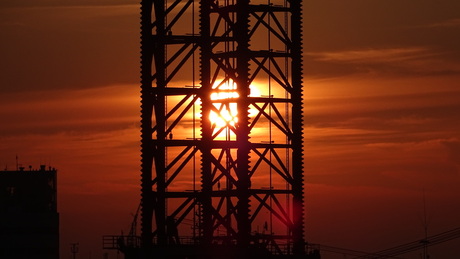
[(221, 128)]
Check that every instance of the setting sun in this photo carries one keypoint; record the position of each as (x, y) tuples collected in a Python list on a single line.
[(225, 112), (224, 98)]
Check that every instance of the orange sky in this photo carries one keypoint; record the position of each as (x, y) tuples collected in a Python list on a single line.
[(381, 102)]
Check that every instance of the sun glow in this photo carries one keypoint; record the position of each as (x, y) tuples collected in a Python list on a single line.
[(225, 112)]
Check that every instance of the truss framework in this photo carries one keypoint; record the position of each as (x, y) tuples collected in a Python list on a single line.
[(221, 124)]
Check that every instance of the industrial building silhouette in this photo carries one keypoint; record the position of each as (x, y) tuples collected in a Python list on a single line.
[(29, 220)]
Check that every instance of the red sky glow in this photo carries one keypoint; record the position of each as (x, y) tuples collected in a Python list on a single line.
[(382, 120)]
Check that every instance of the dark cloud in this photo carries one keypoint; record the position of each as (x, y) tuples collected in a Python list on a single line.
[(375, 137), (79, 111), (386, 105), (68, 48), (42, 3), (367, 27)]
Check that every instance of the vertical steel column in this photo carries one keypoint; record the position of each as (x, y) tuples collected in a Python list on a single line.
[(205, 198), (159, 109), (297, 126), (242, 55), (146, 127)]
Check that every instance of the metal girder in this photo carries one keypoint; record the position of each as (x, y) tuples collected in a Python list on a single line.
[(221, 126)]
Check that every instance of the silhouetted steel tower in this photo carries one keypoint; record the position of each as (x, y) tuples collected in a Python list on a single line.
[(222, 128)]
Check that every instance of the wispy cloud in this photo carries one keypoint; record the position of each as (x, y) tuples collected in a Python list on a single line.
[(372, 55), (447, 23), (397, 61)]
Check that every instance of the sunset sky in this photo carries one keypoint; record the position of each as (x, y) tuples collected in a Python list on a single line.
[(382, 113)]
